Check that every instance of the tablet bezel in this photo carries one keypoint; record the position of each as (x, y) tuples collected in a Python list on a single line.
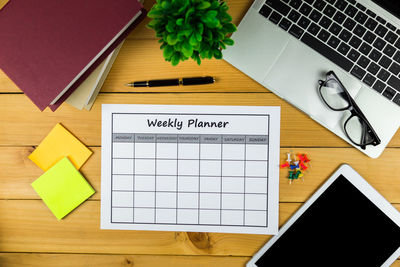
[(362, 185)]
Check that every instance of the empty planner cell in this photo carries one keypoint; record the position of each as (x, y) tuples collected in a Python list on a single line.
[(165, 200), (122, 182), (144, 199), (165, 215), (256, 201), (210, 217), (232, 217), (256, 152), (255, 218), (123, 166), (144, 183), (188, 200), (143, 215), (256, 168), (233, 201), (210, 201), (188, 216), (122, 199), (122, 215), (123, 150)]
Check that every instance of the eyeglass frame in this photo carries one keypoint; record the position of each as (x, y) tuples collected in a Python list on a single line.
[(353, 108)]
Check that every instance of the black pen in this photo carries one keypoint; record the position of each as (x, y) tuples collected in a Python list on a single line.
[(173, 82)]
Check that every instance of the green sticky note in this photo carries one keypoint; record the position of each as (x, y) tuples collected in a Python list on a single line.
[(62, 188)]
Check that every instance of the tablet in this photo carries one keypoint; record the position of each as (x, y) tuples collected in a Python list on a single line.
[(345, 223)]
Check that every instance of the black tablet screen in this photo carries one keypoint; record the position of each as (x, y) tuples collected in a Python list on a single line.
[(341, 228)]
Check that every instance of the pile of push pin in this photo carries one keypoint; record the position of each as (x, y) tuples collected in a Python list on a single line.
[(297, 167)]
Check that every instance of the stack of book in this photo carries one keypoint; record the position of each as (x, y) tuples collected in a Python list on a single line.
[(62, 51)]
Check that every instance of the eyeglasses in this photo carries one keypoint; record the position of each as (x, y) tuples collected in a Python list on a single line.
[(336, 97)]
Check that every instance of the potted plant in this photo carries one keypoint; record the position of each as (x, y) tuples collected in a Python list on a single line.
[(196, 29)]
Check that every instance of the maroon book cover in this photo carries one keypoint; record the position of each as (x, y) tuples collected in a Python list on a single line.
[(47, 45)]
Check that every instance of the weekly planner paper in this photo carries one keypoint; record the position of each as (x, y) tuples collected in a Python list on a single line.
[(190, 168)]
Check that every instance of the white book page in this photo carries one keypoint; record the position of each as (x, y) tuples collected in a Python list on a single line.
[(190, 168)]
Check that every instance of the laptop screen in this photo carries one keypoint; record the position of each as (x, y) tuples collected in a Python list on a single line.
[(393, 6), (342, 227)]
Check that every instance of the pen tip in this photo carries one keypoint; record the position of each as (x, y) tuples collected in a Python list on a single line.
[(128, 84)]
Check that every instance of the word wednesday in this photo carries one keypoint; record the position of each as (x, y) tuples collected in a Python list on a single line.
[(195, 123)]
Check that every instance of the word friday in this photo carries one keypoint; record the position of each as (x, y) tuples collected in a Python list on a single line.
[(195, 123)]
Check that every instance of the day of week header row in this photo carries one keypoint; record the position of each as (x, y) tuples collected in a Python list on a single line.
[(190, 138)]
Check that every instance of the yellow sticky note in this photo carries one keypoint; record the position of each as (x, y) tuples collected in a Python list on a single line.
[(62, 188), (60, 143)]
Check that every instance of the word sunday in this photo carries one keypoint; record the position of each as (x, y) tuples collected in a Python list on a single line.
[(191, 123)]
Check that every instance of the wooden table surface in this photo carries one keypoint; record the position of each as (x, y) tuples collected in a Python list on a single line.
[(30, 234)]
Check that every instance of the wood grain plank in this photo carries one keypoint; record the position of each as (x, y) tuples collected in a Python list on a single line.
[(18, 172), (85, 260), (98, 260), (21, 123), (28, 226)]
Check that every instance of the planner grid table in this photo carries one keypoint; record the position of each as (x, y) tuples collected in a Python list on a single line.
[(190, 179), (190, 168)]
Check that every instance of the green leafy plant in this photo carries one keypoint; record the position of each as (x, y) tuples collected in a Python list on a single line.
[(196, 29)]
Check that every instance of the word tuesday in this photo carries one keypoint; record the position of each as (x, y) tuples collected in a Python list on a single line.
[(195, 123)]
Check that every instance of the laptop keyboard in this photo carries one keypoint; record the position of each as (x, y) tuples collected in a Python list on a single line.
[(348, 34)]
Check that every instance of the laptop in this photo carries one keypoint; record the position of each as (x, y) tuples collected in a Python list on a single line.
[(289, 45)]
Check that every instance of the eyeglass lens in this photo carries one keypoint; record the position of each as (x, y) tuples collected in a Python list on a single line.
[(334, 95), (357, 131)]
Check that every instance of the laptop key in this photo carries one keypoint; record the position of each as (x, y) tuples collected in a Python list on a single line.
[(335, 28), (265, 11), (350, 11), (373, 68), (391, 37), (277, 5), (285, 24), (358, 72), (371, 24), (339, 17), (394, 82), (359, 30), (275, 17), (391, 26), (327, 52), (333, 41), (355, 42), (324, 35), (304, 22), (365, 48), (294, 16), (381, 20), (295, 3), (353, 55), (371, 13), (319, 5), (360, 6), (383, 75), (369, 79), (389, 93), (315, 16), (325, 22), (395, 68), (296, 31), (343, 48), (369, 37), (349, 24), (361, 17), (329, 11), (341, 4), (396, 99), (379, 86), (397, 56), (385, 62), (305, 9), (330, 1), (379, 44), (345, 35), (314, 29), (363, 61), (381, 31), (375, 55)]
